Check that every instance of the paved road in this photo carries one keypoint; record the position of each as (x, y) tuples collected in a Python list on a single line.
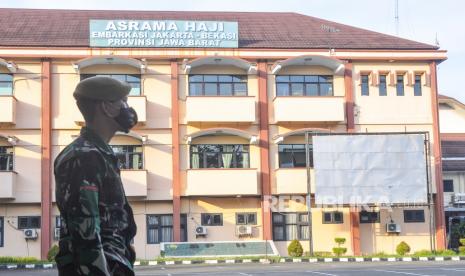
[(288, 269)]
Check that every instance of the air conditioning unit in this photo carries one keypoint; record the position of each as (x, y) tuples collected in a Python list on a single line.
[(392, 228), (30, 234), (201, 231), (458, 198), (56, 234), (243, 230)]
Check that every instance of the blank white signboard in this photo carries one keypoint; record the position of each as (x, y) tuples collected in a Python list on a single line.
[(370, 169)]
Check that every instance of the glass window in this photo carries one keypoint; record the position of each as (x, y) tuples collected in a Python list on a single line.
[(6, 158), (290, 226), (217, 85), (28, 222), (246, 218), (400, 85), (209, 219), (448, 185), (160, 228), (382, 85), (6, 85), (133, 80), (219, 156), (2, 232), (414, 216), (369, 217), (333, 217), (301, 85), (130, 157), (417, 86), (365, 86), (293, 156)]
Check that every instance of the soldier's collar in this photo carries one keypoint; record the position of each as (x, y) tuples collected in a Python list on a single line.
[(92, 137)]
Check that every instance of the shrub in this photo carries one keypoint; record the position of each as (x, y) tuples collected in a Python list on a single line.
[(402, 248), (446, 252), (320, 254), (17, 260), (295, 249), (338, 251), (423, 253), (52, 253)]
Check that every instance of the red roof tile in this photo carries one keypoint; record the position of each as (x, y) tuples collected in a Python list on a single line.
[(67, 28)]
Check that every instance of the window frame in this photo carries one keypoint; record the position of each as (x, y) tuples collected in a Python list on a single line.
[(280, 146), (219, 154), (414, 218), (371, 220), (365, 86), (159, 227), (246, 218), (382, 84), (11, 165), (400, 86), (449, 182), (203, 222), (244, 79), (298, 223), (304, 85), (128, 155), (417, 90), (2, 231), (29, 222), (8, 82), (333, 217), (138, 76)]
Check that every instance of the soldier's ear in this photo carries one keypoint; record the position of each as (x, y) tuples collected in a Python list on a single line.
[(111, 109)]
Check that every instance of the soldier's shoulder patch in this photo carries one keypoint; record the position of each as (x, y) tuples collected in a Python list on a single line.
[(88, 188)]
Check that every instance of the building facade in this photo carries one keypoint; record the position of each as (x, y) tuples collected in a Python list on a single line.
[(221, 128)]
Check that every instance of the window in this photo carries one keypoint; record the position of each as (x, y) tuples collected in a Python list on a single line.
[(246, 218), (133, 80), (448, 185), (28, 222), (209, 219), (290, 226), (58, 221), (218, 85), (309, 85), (365, 86), (333, 217), (400, 85), (369, 217), (293, 156), (414, 216), (219, 156), (382, 85), (6, 158), (160, 228), (417, 86), (6, 84), (2, 232), (129, 157)]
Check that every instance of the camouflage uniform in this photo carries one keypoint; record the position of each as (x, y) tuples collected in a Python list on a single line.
[(97, 221)]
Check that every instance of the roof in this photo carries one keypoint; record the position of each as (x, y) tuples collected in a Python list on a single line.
[(455, 150), (280, 30)]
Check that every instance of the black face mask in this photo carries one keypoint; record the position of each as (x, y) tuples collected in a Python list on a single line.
[(127, 118)]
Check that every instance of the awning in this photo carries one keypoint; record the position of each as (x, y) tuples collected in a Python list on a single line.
[(334, 64), (10, 66), (250, 68), (12, 140), (253, 139), (109, 60)]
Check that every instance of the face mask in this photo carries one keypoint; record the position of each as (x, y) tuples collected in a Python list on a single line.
[(127, 118)]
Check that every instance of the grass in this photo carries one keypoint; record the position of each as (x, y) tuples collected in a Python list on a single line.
[(21, 260)]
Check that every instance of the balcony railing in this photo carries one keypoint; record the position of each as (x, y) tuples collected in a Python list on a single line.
[(293, 181), (7, 184), (308, 109), (220, 109), (7, 110), (134, 182)]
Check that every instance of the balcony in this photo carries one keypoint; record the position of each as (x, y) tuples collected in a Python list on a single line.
[(220, 109), (8, 110), (293, 181), (7, 184), (222, 182), (308, 109), (134, 182), (139, 103), (458, 199)]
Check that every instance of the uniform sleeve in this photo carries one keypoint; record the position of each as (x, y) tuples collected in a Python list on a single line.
[(84, 218)]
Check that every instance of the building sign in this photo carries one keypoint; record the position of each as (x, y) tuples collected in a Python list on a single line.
[(163, 34)]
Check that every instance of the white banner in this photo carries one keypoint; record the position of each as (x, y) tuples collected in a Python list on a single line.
[(370, 169)]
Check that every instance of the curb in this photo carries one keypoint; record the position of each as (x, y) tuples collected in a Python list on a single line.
[(262, 261)]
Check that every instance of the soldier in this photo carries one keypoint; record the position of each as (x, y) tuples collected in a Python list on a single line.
[(97, 221)]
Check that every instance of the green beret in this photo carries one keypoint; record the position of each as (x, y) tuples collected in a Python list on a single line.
[(102, 88)]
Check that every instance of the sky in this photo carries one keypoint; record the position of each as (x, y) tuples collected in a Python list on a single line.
[(420, 20)]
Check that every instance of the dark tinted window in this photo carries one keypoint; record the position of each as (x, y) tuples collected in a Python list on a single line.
[(304, 85), (414, 216)]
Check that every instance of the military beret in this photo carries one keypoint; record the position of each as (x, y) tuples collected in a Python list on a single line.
[(101, 88)]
